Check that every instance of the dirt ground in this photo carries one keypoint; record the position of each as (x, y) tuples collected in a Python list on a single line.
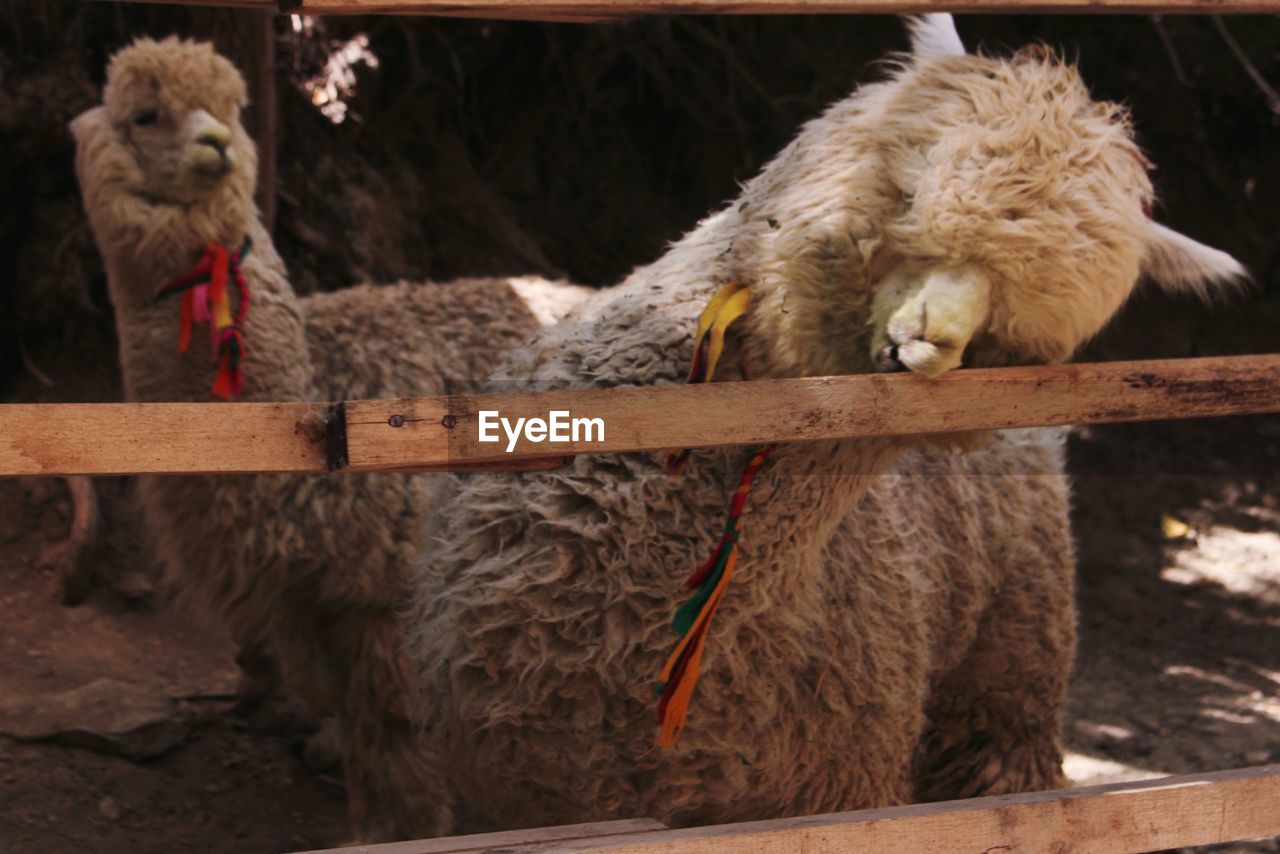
[(217, 781), (1178, 670)]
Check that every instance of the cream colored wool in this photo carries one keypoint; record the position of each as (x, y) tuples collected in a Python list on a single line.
[(900, 625), (314, 567)]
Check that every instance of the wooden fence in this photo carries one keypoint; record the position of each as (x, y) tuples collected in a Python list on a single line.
[(442, 433)]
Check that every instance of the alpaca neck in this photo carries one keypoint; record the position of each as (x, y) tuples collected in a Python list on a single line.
[(799, 503), (277, 364), (811, 256)]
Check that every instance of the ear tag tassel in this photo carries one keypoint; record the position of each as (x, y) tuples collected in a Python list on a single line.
[(205, 298), (693, 619)]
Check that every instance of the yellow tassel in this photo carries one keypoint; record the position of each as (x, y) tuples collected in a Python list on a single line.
[(712, 309), (735, 305), (729, 303)]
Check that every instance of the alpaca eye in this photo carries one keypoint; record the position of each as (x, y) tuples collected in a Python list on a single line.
[(150, 117)]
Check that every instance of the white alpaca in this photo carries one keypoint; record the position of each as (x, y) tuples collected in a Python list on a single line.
[(901, 624)]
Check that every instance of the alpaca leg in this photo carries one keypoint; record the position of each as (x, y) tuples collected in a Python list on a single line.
[(994, 720), (74, 558), (394, 789)]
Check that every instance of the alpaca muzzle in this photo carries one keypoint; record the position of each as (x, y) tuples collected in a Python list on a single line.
[(210, 151), (929, 330)]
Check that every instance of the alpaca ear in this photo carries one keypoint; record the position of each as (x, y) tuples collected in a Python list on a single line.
[(934, 35), (1179, 264), (83, 125)]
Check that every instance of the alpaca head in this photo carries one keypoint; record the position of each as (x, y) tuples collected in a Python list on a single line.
[(1026, 217), (168, 133)]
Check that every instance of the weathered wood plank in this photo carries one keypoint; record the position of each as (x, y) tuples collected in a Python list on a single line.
[(674, 416), (161, 438), (1120, 818), (434, 434), (584, 11), (185, 438), (507, 839)]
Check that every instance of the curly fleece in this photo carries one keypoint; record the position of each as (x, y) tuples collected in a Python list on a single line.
[(901, 624)]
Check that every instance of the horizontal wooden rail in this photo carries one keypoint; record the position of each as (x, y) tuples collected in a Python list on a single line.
[(586, 11), (438, 433), (1120, 818)]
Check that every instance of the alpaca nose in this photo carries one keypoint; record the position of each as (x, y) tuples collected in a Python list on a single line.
[(216, 144), (217, 138), (211, 132)]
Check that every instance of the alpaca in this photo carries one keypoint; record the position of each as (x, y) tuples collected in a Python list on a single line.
[(900, 625), (312, 567)]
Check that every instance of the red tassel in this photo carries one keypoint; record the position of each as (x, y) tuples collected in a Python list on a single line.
[(230, 378), (187, 311), (226, 339), (217, 273)]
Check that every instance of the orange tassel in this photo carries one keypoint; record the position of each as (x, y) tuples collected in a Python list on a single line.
[(675, 711), (224, 385)]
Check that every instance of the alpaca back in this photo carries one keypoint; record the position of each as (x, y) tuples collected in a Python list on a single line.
[(419, 339)]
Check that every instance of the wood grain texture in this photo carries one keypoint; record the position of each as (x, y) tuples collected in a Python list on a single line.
[(586, 11), (678, 416), (1172, 812), (441, 433), (507, 839), (159, 438)]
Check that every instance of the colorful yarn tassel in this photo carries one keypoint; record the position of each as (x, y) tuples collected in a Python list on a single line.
[(693, 619), (205, 296)]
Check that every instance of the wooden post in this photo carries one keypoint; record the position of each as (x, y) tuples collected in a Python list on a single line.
[(260, 68)]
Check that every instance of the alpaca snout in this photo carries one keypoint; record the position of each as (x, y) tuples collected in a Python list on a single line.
[(215, 143), (211, 145), (929, 330)]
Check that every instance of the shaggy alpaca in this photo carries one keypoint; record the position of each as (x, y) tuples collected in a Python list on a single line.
[(312, 567), (900, 625)]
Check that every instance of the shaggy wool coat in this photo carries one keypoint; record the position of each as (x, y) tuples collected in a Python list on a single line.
[(900, 625)]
